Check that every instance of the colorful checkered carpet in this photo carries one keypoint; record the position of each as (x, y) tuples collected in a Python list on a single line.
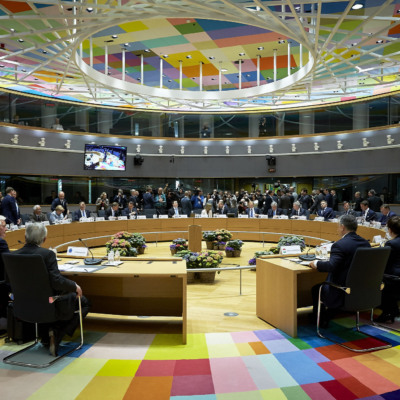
[(253, 365)]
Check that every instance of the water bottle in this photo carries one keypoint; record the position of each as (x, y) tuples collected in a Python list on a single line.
[(111, 256), (117, 255)]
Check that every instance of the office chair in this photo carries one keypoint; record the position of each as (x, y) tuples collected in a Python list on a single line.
[(363, 289), (34, 301)]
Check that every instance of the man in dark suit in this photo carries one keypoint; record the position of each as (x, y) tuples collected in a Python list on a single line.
[(298, 211), (148, 199), (175, 211), (305, 199), (274, 211), (131, 211), (113, 211), (134, 198), (285, 201), (186, 204), (341, 256), (82, 212), (347, 210), (328, 198), (319, 196), (9, 207), (35, 235), (4, 288), (60, 201), (268, 201), (366, 212), (120, 198), (221, 208), (252, 211), (374, 201), (386, 214), (325, 211), (357, 201), (37, 215)]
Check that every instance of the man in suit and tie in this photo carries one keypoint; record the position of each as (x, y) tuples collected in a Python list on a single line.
[(186, 204), (37, 215), (82, 212), (175, 211), (113, 211), (347, 210), (366, 212), (298, 211), (374, 202), (386, 214), (10, 208), (252, 211), (319, 197), (342, 253), (305, 199), (325, 211), (131, 211), (268, 201), (60, 201), (221, 208), (274, 211)]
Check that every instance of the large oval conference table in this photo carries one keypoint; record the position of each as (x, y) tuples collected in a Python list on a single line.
[(154, 287)]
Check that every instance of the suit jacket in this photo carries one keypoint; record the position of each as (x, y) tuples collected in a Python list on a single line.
[(385, 218), (34, 218), (57, 202), (329, 200), (109, 213), (371, 216), (3, 249), (148, 200), (393, 264), (171, 212), (305, 201), (223, 210), (327, 213), (375, 203), (186, 206), (9, 209), (342, 253), (271, 214), (255, 211), (349, 212), (127, 212), (121, 200), (60, 284), (267, 204), (78, 214), (317, 203), (285, 202), (303, 213)]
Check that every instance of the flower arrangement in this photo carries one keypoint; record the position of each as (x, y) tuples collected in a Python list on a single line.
[(258, 254), (209, 236), (204, 259), (137, 240), (222, 235), (122, 245), (234, 245), (291, 240), (179, 244)]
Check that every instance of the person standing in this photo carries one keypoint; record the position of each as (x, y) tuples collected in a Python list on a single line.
[(60, 201), (148, 199), (10, 208), (186, 204), (4, 287)]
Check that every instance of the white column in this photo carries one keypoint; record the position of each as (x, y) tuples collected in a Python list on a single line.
[(301, 55), (288, 57), (254, 121), (306, 122), (49, 115), (161, 73), (240, 74), (123, 64), (91, 51), (201, 76), (82, 118), (275, 50), (104, 120), (141, 70), (220, 78), (360, 116), (258, 70), (180, 74)]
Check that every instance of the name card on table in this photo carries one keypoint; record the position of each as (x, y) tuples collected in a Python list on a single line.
[(87, 219), (243, 216), (285, 250), (221, 216), (110, 218), (327, 246), (123, 217), (183, 216), (284, 217), (377, 239), (263, 216), (376, 224), (77, 251), (302, 217), (65, 221), (163, 216), (100, 219), (141, 217), (319, 219)]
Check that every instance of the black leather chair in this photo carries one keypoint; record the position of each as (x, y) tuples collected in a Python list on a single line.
[(363, 289), (101, 213), (33, 301)]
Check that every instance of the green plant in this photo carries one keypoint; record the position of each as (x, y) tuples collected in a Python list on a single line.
[(137, 240), (204, 259), (234, 245), (179, 244), (222, 235), (122, 245), (209, 236), (291, 240), (258, 254)]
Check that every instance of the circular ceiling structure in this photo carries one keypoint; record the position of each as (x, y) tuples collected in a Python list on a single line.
[(208, 56)]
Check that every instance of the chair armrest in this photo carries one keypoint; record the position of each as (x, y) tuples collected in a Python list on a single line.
[(392, 277), (347, 290)]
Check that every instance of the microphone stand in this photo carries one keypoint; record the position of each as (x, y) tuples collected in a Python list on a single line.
[(307, 257), (90, 261)]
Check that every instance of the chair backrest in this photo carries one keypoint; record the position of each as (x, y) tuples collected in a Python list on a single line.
[(101, 213), (365, 277), (30, 285), (149, 212)]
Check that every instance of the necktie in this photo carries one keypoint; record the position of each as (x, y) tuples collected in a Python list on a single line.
[(176, 211), (251, 213), (298, 212), (83, 214), (37, 218)]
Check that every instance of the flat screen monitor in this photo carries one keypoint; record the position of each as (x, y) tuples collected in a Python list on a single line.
[(104, 157)]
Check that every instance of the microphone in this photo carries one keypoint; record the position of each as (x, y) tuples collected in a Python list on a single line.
[(307, 257), (90, 261)]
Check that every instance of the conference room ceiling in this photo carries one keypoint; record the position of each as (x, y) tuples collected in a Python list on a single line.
[(201, 56)]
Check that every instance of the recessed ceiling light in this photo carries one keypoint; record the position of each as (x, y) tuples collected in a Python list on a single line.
[(224, 70), (126, 44), (188, 56), (379, 41), (169, 80), (260, 48), (211, 58), (20, 40), (165, 55), (147, 50), (23, 70), (12, 30), (114, 36), (71, 88), (357, 6), (2, 66), (241, 54), (213, 79), (248, 75), (138, 79), (89, 9), (44, 51)]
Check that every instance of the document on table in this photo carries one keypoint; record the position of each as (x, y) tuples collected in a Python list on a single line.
[(77, 268)]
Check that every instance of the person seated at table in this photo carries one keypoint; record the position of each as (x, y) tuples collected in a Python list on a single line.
[(391, 291), (274, 211), (232, 207), (37, 215), (341, 256), (386, 214), (347, 210), (82, 212), (252, 211), (131, 211), (366, 212), (298, 211), (325, 211), (221, 208), (52, 334), (57, 215), (175, 211), (113, 211)]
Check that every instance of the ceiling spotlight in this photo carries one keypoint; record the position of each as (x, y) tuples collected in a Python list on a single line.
[(260, 48), (169, 80), (224, 70), (126, 44), (20, 40), (357, 6), (281, 41), (354, 44), (12, 30), (89, 9), (114, 36), (71, 88), (379, 41), (44, 51), (147, 50), (23, 70), (165, 55), (2, 66), (211, 58), (241, 54), (188, 56)]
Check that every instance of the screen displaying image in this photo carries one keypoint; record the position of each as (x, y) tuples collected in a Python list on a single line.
[(104, 157)]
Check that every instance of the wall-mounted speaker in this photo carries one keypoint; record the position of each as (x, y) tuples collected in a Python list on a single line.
[(138, 160)]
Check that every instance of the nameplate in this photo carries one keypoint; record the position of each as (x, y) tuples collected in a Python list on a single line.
[(377, 239), (263, 216), (122, 218), (290, 250), (110, 218), (86, 219), (319, 219), (284, 217), (221, 216), (163, 216), (77, 251), (243, 216), (100, 219), (141, 217), (303, 217), (333, 220), (183, 216), (65, 221), (327, 246), (376, 224)]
